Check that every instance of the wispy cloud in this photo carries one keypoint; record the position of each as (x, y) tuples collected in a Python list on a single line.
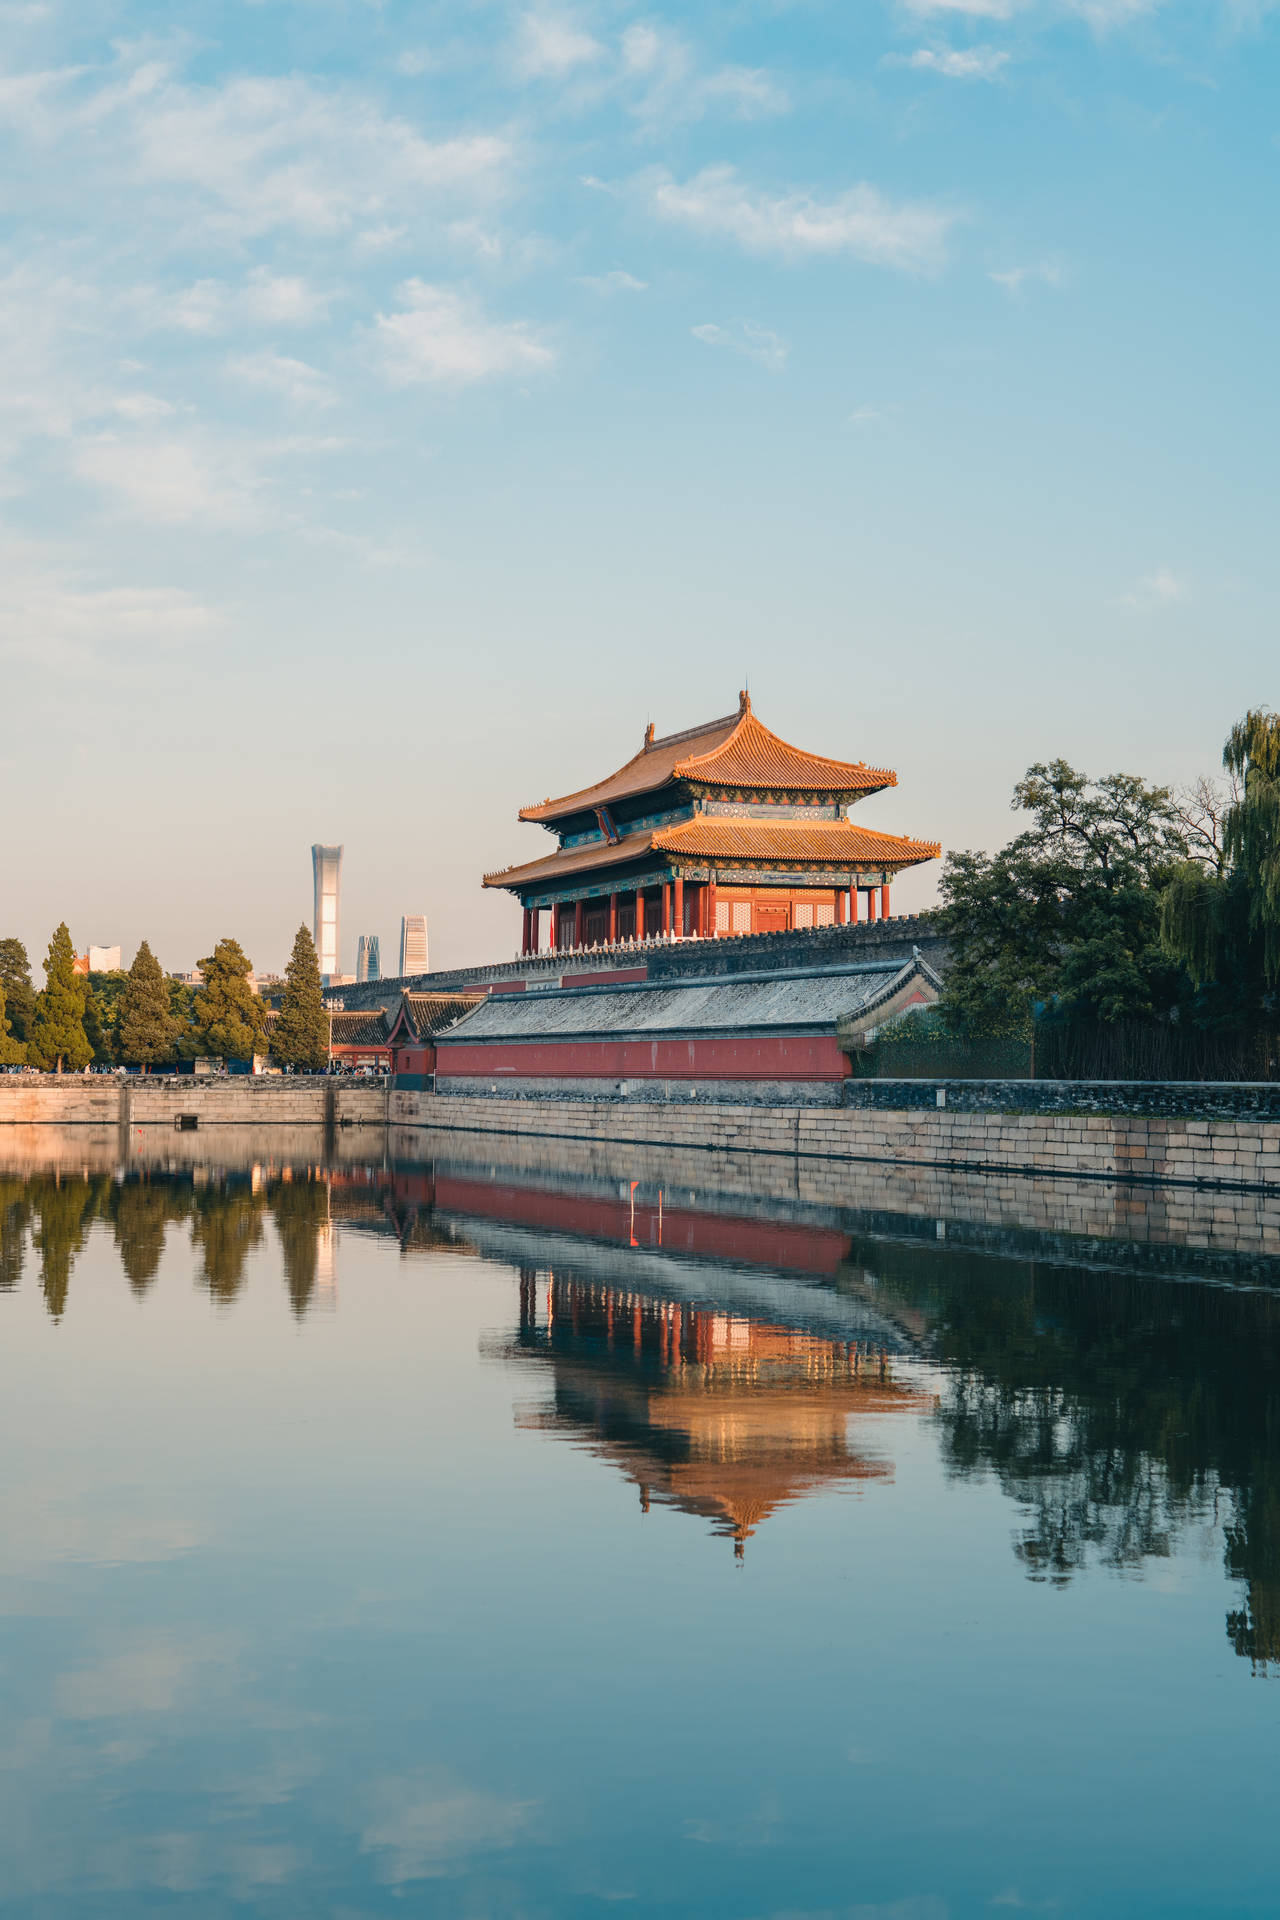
[(215, 306), (669, 86), (50, 614), (1159, 589), (293, 380), (971, 9), (1013, 279), (441, 336), (745, 337), (615, 281), (861, 222), (967, 63), (551, 45)]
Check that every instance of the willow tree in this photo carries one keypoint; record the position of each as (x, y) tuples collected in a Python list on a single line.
[(1224, 926)]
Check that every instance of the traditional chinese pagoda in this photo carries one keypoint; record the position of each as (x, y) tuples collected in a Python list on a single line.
[(722, 829)]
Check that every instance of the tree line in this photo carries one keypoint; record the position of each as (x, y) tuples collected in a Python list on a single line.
[(1124, 907), (141, 1018)]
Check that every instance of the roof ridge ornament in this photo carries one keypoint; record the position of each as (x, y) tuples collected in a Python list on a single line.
[(744, 700)]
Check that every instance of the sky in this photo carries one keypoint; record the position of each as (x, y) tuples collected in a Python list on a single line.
[(403, 404)]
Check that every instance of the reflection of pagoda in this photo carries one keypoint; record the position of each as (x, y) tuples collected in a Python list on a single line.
[(721, 1416)]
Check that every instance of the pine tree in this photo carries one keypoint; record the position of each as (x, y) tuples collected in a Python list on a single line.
[(15, 977), (57, 1036), (12, 1052), (145, 1029), (230, 1019), (301, 1034)]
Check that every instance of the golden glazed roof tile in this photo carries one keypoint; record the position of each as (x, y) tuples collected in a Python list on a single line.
[(717, 838), (737, 751)]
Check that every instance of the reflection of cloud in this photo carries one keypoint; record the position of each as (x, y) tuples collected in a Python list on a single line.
[(154, 1678), (423, 1826)]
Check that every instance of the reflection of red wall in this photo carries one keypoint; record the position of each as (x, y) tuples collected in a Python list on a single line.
[(722, 1057), (763, 1243)]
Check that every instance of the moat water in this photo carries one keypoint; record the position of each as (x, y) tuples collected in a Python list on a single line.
[(502, 1532)]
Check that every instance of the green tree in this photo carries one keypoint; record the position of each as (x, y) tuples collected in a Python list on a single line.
[(1069, 910), (15, 976), (145, 1029), (230, 1020), (1223, 922), (57, 1036), (12, 1052), (300, 1037), (102, 1013)]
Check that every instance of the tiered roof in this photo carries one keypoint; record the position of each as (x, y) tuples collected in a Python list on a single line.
[(735, 752), (798, 843)]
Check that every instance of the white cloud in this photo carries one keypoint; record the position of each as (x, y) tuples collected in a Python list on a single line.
[(260, 153), (1159, 589), (744, 336), (214, 306), (1014, 279), (969, 63), (50, 616), (293, 380), (860, 222), (615, 281), (169, 481), (672, 90), (439, 335), (549, 45), (973, 9), (140, 406)]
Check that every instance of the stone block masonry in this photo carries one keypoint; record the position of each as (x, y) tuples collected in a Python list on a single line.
[(1232, 1154)]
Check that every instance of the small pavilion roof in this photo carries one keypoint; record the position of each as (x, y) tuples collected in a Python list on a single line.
[(425, 1014), (714, 837), (736, 751)]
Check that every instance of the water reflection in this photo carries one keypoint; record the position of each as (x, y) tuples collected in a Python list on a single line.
[(730, 1356), (719, 1415)]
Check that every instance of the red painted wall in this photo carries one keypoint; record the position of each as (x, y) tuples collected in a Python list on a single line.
[(718, 1057)]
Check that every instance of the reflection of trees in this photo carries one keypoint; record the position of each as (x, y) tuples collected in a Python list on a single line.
[(14, 1213), (226, 1225), (1114, 1409), (141, 1211), (300, 1208), (64, 1212)]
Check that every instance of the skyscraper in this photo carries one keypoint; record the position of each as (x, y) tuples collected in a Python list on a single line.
[(326, 863), (413, 944), (368, 957)]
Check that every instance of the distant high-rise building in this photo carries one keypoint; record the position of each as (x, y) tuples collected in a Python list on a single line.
[(326, 864), (413, 944), (368, 957)]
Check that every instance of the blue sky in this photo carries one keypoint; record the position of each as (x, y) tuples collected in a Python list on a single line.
[(404, 404)]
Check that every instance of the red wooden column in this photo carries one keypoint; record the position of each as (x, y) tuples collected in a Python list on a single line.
[(853, 906), (579, 915), (524, 943), (613, 918), (871, 903), (884, 903), (709, 897), (677, 906), (842, 906), (535, 928), (666, 908), (639, 914)]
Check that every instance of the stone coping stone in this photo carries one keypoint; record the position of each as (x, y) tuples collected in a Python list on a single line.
[(1162, 1099)]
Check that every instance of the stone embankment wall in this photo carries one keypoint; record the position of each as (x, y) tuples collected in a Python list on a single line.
[(233, 1100), (1229, 1153)]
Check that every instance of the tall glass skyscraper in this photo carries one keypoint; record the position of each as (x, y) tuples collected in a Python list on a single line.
[(368, 957), (413, 944), (326, 864)]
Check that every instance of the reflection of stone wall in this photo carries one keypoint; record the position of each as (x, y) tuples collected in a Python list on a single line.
[(1160, 1229), (1226, 1152)]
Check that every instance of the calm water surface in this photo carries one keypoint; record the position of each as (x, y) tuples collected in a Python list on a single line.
[(442, 1536)]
